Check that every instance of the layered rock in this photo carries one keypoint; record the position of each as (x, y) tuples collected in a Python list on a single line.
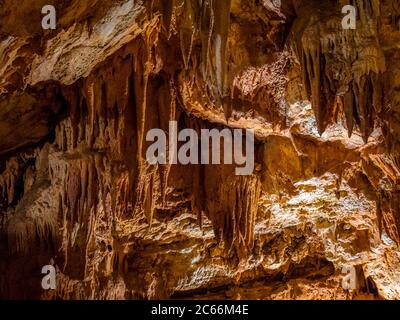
[(77, 192)]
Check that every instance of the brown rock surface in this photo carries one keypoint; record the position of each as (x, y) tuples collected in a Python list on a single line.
[(77, 192)]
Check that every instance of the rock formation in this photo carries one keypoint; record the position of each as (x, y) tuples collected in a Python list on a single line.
[(77, 192)]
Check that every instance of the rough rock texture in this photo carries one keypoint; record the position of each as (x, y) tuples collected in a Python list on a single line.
[(77, 192)]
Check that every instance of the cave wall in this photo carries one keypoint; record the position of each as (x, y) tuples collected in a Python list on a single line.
[(77, 192)]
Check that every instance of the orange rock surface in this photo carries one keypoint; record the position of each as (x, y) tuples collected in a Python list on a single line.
[(77, 192)]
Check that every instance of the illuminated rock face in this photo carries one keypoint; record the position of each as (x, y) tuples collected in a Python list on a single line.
[(77, 192)]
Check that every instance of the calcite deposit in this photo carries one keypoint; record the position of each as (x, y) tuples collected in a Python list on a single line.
[(76, 189)]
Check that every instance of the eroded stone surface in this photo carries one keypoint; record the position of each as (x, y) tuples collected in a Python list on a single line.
[(76, 191)]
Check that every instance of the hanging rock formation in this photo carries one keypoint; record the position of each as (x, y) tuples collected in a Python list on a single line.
[(77, 192)]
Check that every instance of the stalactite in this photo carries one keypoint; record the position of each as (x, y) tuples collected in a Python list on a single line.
[(149, 8), (211, 19), (349, 109), (222, 10), (234, 222), (206, 28), (243, 200), (149, 201), (27, 225), (187, 30), (168, 10), (318, 52), (317, 85), (386, 184), (388, 215), (141, 80), (8, 180), (364, 106)]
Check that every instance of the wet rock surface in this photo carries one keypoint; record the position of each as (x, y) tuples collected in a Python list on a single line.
[(77, 192)]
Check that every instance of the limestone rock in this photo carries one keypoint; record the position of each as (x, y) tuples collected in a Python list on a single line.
[(77, 192)]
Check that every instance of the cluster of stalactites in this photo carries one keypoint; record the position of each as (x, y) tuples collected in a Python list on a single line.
[(210, 19), (232, 206), (341, 69)]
